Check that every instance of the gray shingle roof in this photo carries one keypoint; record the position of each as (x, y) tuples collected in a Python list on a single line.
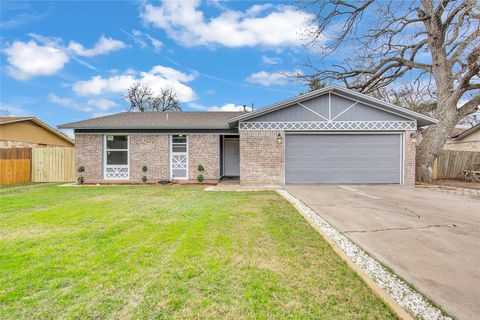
[(157, 120)]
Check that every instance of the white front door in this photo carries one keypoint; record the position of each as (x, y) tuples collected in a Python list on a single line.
[(231, 157), (178, 157)]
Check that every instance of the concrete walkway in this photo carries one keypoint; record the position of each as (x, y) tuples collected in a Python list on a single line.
[(430, 239)]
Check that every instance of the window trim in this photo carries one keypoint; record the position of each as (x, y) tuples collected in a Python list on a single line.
[(105, 150), (171, 155)]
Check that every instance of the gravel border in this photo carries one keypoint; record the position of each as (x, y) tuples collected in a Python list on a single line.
[(412, 301)]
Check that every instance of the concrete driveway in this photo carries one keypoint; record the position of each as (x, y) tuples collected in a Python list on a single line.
[(430, 238)]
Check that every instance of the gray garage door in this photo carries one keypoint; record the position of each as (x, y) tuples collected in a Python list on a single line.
[(343, 158)]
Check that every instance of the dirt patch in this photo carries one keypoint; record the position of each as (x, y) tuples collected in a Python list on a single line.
[(457, 184)]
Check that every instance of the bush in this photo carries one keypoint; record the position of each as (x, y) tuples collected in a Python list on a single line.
[(200, 168), (144, 168), (81, 169), (80, 180), (200, 178), (144, 179)]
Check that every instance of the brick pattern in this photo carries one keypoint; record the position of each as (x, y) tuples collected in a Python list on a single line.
[(88, 153), (409, 165), (151, 150), (261, 157), (16, 144), (204, 149)]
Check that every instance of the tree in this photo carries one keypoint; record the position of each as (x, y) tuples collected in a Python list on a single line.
[(434, 42), (142, 98), (315, 84)]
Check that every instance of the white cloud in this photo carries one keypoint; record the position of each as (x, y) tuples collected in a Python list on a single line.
[(69, 103), (225, 107), (141, 39), (104, 45), (271, 60), (265, 25), (97, 107), (272, 78), (28, 59), (102, 103), (157, 78)]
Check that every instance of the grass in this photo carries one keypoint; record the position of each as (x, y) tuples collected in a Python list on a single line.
[(162, 252)]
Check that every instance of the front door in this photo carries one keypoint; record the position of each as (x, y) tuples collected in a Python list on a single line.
[(179, 157), (231, 157)]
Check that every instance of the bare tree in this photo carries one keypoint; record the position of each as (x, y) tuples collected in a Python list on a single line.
[(430, 41), (142, 98), (410, 96)]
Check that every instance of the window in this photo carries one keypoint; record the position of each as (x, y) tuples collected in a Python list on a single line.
[(179, 144), (116, 157)]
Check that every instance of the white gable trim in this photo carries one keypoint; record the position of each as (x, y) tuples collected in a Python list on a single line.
[(330, 125), (334, 89)]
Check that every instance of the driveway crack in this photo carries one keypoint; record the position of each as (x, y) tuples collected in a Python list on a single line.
[(402, 229)]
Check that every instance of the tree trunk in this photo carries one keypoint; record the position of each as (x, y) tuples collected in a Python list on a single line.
[(432, 142)]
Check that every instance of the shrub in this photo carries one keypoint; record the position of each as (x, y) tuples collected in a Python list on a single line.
[(144, 179), (144, 168), (81, 170), (200, 169)]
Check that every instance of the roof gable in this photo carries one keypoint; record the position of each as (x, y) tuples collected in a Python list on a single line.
[(467, 132), (8, 120), (347, 104)]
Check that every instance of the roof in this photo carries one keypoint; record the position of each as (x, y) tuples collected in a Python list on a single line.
[(157, 120), (467, 132), (7, 120), (422, 120)]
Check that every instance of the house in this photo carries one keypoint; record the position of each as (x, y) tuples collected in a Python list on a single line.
[(331, 135), (467, 140), (27, 132)]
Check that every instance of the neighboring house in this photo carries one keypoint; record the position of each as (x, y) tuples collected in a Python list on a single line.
[(27, 132), (331, 135), (468, 140)]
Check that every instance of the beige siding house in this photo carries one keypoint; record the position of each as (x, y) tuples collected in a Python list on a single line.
[(27, 132), (331, 135), (468, 140)]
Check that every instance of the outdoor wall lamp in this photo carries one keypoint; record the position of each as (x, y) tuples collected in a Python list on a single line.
[(413, 137), (279, 138)]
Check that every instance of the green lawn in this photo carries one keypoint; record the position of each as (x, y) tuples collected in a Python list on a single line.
[(158, 252)]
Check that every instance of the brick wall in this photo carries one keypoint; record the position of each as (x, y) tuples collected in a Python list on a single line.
[(261, 157), (409, 165), (151, 150), (204, 149), (88, 153)]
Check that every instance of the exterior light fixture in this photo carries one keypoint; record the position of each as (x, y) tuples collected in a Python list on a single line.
[(413, 137), (279, 138)]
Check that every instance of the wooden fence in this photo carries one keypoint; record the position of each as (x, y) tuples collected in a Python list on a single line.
[(55, 164), (450, 164), (15, 165)]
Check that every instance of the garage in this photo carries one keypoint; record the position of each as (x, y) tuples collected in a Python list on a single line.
[(331, 135), (343, 158)]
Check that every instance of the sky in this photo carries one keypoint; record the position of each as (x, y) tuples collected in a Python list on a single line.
[(72, 60)]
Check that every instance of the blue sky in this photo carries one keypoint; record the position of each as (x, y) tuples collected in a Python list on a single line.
[(66, 61)]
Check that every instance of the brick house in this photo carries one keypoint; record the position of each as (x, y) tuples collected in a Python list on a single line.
[(331, 135)]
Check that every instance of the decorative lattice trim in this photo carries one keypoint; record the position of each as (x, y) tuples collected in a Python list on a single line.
[(330, 125), (116, 173), (179, 161)]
